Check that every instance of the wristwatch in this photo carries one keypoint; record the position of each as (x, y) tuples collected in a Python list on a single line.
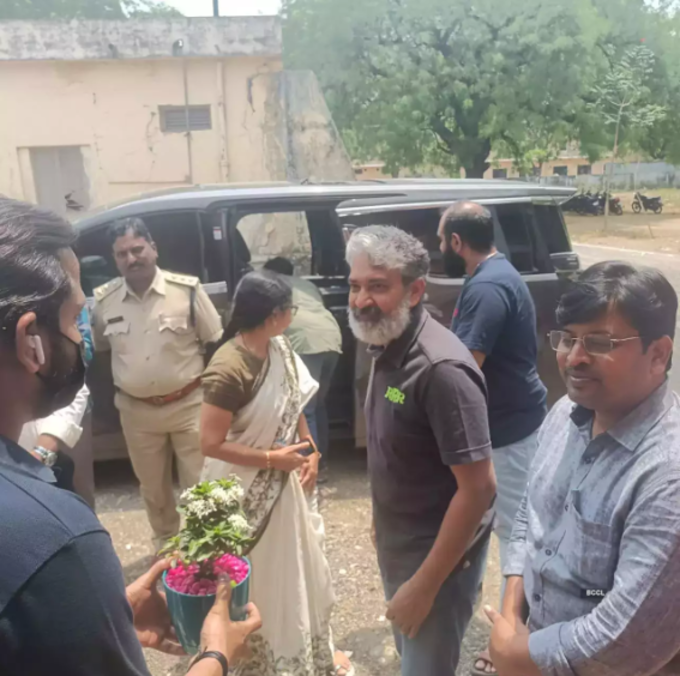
[(48, 458)]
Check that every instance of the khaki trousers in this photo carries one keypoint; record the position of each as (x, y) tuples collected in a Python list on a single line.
[(152, 433)]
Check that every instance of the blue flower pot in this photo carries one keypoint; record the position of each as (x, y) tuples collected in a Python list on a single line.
[(189, 612)]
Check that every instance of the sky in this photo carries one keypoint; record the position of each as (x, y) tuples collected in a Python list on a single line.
[(227, 7)]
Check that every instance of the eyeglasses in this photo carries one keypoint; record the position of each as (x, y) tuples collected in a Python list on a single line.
[(293, 310), (594, 343)]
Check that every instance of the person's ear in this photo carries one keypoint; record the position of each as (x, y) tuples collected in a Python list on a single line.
[(456, 242), (660, 352), (29, 346), (417, 291)]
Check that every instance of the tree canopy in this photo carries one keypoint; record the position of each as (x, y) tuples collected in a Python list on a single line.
[(83, 9), (445, 82)]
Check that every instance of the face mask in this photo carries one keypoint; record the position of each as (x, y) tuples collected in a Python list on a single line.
[(67, 377), (454, 264)]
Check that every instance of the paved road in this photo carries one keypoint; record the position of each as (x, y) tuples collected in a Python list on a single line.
[(669, 264)]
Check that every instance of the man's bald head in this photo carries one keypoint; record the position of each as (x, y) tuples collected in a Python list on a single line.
[(472, 223)]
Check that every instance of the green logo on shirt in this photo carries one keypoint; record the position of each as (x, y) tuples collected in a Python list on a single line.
[(394, 395)]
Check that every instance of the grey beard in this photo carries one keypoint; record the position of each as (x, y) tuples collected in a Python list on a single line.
[(386, 329)]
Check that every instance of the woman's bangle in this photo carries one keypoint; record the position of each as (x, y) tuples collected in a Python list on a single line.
[(311, 442), (269, 459)]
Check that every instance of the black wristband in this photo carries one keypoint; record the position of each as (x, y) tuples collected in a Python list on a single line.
[(215, 655)]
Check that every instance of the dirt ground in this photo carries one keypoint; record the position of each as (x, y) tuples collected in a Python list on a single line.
[(645, 232), (670, 197), (359, 623)]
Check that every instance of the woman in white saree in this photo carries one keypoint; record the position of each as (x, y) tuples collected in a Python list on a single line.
[(255, 389)]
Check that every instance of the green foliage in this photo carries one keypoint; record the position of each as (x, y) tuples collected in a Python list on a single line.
[(147, 8), (214, 523), (444, 82), (83, 9), (624, 97)]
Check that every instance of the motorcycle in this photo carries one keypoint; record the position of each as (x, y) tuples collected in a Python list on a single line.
[(641, 202), (585, 203), (615, 206)]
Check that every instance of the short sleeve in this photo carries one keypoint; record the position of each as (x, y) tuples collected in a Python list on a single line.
[(480, 317), (224, 381), (208, 322), (455, 400), (72, 617)]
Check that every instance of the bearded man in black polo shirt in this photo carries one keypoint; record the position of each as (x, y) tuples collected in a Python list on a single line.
[(429, 452)]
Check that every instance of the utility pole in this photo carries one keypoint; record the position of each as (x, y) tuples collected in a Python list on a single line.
[(216, 7)]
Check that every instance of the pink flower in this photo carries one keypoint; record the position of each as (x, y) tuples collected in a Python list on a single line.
[(184, 578)]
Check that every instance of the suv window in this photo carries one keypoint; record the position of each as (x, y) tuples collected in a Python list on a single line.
[(311, 239), (421, 223), (516, 221), (285, 233), (183, 240), (517, 238), (552, 228)]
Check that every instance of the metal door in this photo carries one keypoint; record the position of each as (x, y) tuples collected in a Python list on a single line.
[(61, 183)]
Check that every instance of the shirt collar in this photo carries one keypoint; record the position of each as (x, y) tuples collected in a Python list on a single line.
[(396, 351), (630, 431), (158, 285), (20, 460)]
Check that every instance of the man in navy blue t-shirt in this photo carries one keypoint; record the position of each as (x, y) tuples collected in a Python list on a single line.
[(495, 318)]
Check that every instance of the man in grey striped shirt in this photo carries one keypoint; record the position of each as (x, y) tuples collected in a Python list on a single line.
[(593, 573)]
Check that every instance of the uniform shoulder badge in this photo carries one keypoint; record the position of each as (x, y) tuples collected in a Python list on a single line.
[(184, 280), (105, 290)]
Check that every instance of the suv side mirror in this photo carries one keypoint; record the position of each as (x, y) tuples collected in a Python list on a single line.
[(566, 264)]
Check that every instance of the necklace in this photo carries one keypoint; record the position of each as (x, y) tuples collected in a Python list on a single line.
[(491, 255)]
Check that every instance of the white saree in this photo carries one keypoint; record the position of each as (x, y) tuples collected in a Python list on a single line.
[(290, 579)]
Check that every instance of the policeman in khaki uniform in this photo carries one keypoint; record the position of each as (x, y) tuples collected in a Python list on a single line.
[(155, 323)]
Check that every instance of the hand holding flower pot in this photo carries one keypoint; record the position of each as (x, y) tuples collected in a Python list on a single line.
[(210, 545)]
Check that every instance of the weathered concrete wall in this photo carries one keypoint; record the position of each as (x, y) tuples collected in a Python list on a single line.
[(110, 109), (267, 125), (79, 40), (301, 142)]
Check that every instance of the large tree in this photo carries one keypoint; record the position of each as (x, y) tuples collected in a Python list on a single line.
[(82, 9), (445, 82)]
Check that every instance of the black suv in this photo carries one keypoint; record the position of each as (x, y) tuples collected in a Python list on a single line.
[(219, 233)]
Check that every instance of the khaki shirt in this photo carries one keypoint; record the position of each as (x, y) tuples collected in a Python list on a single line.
[(313, 329), (154, 349)]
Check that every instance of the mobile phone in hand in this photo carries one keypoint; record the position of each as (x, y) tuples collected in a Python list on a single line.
[(306, 451)]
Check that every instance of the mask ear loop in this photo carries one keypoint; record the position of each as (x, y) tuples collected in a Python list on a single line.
[(36, 343)]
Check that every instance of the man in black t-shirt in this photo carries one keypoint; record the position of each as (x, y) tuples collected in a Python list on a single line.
[(429, 452), (496, 320), (64, 608)]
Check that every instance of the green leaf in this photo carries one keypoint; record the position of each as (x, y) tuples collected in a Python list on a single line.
[(443, 82)]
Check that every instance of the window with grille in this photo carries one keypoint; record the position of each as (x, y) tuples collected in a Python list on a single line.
[(500, 173), (584, 170), (174, 118)]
